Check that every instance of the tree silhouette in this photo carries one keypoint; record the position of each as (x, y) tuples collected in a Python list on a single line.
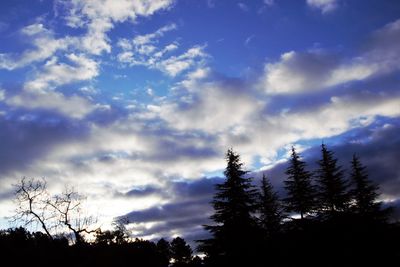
[(181, 252), (70, 214), (234, 203), (164, 248), (364, 192), (31, 198), (332, 187), (300, 191), (109, 237), (63, 211), (269, 208)]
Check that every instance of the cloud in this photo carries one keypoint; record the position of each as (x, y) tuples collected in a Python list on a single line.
[(316, 70), (99, 16), (141, 40), (74, 106), (307, 71), (55, 74), (27, 137), (142, 51), (177, 64), (39, 93), (188, 209), (249, 39), (44, 46), (210, 3), (243, 7), (204, 106), (325, 6), (269, 2)]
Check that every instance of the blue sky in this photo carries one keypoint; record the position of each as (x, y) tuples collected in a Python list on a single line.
[(134, 103)]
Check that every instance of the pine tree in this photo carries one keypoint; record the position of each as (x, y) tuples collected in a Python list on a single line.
[(180, 252), (300, 191), (332, 187), (364, 192), (234, 203), (164, 249), (269, 208)]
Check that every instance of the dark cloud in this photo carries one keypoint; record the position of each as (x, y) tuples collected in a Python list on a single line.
[(181, 148), (185, 214), (142, 192), (378, 147), (27, 137)]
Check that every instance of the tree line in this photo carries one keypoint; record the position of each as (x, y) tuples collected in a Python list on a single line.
[(328, 217)]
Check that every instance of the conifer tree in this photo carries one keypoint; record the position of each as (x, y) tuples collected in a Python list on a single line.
[(180, 252), (364, 192), (300, 191), (269, 208), (234, 203), (332, 188), (164, 249)]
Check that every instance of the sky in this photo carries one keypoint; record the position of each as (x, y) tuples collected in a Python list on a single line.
[(134, 103)]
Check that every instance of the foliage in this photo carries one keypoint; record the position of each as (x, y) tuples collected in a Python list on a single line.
[(300, 191), (332, 187), (269, 208)]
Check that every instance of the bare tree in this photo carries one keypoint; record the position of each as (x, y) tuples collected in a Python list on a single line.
[(31, 199), (35, 205), (70, 213)]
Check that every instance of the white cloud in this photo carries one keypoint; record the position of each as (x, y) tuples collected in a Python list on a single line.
[(205, 105), (298, 72), (142, 51), (176, 64), (325, 6), (34, 29), (39, 93), (55, 74), (44, 43), (339, 115), (74, 106), (99, 16), (150, 38)]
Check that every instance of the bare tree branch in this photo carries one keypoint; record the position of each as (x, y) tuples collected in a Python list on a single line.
[(31, 198)]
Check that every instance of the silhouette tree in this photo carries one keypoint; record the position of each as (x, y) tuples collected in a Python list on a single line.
[(70, 214), (164, 249), (31, 204), (63, 211), (300, 191), (364, 192), (234, 203), (181, 252), (332, 187), (269, 208), (109, 237)]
